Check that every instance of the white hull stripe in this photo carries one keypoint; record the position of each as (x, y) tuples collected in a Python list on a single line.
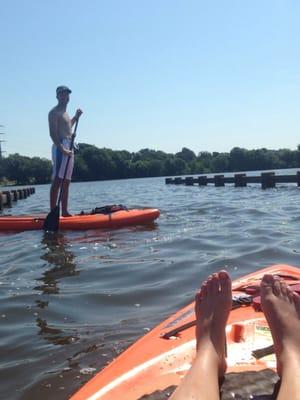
[(130, 374)]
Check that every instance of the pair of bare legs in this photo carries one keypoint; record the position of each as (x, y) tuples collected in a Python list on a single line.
[(55, 187), (281, 307)]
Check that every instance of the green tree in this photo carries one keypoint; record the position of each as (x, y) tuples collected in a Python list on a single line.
[(39, 170), (220, 162), (186, 154), (17, 169)]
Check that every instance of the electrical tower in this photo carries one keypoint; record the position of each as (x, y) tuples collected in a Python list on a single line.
[(1, 141)]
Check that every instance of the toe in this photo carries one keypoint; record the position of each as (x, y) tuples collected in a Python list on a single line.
[(290, 294), (209, 285), (268, 279), (296, 299), (215, 284), (225, 281), (277, 286), (198, 297), (283, 289), (266, 285), (203, 290)]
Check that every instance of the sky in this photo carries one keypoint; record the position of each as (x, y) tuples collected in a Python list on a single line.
[(159, 74)]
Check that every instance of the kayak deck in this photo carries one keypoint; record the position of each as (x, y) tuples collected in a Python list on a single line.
[(82, 222), (162, 357)]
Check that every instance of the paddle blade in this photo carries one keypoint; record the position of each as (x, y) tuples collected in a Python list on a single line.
[(52, 220)]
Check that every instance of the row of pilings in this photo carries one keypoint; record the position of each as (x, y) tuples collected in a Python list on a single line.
[(266, 179), (8, 197)]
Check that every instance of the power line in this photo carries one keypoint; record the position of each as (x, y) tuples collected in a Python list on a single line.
[(2, 141)]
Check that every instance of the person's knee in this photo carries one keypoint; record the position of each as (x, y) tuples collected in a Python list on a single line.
[(66, 183), (56, 182)]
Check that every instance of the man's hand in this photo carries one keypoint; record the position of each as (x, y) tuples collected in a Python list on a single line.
[(66, 152), (78, 113)]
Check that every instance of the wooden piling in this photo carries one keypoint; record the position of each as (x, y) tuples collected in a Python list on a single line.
[(202, 180), (219, 180), (240, 180), (178, 181), (14, 195), (298, 178), (189, 181), (8, 199), (268, 180)]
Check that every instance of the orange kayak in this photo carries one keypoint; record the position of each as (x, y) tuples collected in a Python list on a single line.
[(162, 357), (81, 222)]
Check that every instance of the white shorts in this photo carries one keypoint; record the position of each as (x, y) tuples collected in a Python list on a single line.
[(59, 161)]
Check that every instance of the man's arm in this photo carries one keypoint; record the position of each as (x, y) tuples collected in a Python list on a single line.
[(76, 116), (53, 128)]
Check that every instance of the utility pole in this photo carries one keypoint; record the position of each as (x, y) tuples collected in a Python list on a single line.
[(1, 141)]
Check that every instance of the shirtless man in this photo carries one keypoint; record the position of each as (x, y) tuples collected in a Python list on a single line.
[(60, 127)]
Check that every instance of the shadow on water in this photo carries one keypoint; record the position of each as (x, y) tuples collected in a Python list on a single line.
[(62, 264), (60, 259), (106, 235)]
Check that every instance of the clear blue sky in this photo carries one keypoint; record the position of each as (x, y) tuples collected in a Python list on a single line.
[(162, 74)]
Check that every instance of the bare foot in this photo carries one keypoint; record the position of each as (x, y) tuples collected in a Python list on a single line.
[(281, 307), (212, 307), (66, 214)]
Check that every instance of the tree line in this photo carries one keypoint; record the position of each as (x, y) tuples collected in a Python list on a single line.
[(93, 163)]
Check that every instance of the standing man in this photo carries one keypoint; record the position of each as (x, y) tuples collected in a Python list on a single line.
[(60, 127)]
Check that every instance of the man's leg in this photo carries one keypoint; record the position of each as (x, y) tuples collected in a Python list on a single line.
[(64, 199), (212, 307), (54, 192), (281, 307)]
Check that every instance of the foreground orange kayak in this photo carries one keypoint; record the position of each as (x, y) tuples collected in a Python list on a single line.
[(162, 357), (81, 222)]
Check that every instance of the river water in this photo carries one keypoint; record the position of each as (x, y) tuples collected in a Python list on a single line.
[(70, 304)]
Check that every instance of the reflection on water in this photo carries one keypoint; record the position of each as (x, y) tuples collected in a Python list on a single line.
[(62, 264), (70, 302), (60, 260)]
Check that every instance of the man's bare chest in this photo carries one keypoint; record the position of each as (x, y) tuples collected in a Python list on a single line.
[(64, 123)]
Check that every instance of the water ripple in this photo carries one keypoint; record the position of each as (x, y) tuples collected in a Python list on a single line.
[(71, 303)]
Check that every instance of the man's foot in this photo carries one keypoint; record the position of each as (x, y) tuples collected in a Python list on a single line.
[(66, 214), (281, 307), (212, 307)]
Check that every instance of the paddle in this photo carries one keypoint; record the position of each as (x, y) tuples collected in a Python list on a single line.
[(52, 220)]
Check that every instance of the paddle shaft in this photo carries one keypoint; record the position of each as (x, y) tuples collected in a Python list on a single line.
[(67, 164)]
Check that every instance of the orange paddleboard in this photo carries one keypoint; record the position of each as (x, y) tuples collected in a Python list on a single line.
[(82, 222), (163, 356)]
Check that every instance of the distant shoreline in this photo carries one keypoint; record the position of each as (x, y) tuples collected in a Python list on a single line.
[(97, 164)]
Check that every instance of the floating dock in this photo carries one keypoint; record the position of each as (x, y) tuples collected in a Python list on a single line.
[(266, 179), (8, 197)]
